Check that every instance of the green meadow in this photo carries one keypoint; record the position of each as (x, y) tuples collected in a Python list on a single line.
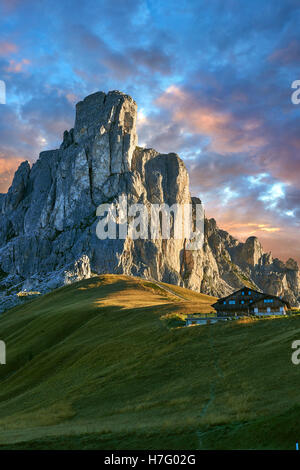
[(107, 364)]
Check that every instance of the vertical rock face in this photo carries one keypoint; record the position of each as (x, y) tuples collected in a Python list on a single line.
[(251, 252), (48, 217)]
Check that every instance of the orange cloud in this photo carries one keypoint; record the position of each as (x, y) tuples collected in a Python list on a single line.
[(242, 230), (7, 171)]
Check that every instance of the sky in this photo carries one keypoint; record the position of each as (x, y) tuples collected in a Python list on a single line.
[(212, 80)]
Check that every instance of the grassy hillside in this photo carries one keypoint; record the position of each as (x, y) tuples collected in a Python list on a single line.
[(97, 365)]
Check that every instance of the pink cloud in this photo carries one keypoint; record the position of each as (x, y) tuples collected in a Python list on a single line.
[(72, 98), (287, 55), (7, 48), (17, 67), (227, 133)]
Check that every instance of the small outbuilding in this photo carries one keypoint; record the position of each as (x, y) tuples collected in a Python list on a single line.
[(200, 320)]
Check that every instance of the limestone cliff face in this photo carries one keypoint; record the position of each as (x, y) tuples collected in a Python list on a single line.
[(48, 217)]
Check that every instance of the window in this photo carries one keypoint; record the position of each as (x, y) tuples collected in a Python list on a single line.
[(232, 302), (268, 301), (249, 292), (224, 302), (242, 301), (243, 293)]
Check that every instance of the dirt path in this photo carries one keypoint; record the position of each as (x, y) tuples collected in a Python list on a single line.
[(167, 289)]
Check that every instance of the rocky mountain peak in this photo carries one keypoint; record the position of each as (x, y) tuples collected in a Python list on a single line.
[(106, 121), (252, 251), (48, 217)]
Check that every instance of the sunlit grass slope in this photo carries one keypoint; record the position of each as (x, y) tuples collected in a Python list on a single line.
[(97, 365)]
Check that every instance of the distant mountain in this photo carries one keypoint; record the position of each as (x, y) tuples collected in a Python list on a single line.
[(48, 217)]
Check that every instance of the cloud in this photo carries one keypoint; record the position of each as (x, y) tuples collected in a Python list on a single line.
[(226, 132), (50, 113), (16, 66), (92, 54), (290, 54), (7, 48), (212, 80), (8, 166)]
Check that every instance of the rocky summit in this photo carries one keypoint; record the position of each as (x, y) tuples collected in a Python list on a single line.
[(48, 216)]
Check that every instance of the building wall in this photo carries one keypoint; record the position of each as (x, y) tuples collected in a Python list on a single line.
[(269, 311)]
